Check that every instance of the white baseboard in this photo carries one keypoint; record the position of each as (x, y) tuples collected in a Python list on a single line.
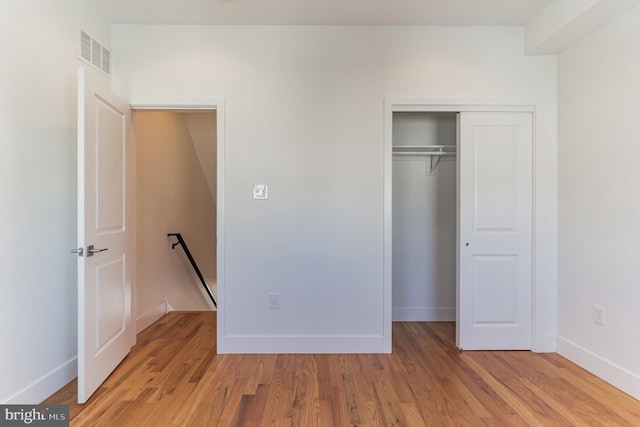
[(423, 314), (615, 375), (46, 385), (303, 345), (147, 319)]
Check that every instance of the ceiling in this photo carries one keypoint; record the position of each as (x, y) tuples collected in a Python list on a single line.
[(321, 12)]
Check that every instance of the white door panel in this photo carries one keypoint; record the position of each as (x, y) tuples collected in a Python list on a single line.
[(494, 173), (493, 276), (105, 327), (495, 230), (110, 173)]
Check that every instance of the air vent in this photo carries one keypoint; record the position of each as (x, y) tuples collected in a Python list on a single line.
[(106, 60), (94, 53), (85, 46)]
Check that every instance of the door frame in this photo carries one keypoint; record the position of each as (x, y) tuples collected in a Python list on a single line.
[(542, 298), (187, 104)]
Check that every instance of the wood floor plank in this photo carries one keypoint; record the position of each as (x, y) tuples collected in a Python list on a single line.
[(521, 408), (173, 377)]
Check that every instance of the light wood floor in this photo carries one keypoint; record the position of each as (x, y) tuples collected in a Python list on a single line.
[(173, 377)]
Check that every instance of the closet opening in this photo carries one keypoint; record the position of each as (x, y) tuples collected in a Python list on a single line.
[(424, 216)]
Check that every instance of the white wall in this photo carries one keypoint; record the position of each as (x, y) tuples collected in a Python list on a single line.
[(172, 197), (424, 221), (599, 202), (304, 114), (38, 313)]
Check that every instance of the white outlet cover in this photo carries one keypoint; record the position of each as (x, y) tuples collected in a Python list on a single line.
[(598, 314), (260, 191), (274, 300)]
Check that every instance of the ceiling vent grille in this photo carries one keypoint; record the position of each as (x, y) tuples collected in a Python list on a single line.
[(94, 53)]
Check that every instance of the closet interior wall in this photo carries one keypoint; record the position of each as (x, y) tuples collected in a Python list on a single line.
[(424, 220)]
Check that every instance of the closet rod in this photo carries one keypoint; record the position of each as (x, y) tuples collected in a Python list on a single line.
[(434, 152), (423, 153), (424, 146)]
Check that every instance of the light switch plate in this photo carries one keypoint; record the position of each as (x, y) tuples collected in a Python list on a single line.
[(260, 191)]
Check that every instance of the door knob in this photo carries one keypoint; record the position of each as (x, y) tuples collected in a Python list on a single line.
[(91, 250)]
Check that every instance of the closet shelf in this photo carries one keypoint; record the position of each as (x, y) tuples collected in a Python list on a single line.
[(434, 152), (425, 150)]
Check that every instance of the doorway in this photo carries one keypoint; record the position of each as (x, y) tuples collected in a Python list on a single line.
[(176, 192), (424, 216)]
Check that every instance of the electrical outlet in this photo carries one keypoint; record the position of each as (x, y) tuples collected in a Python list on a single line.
[(274, 300), (598, 314)]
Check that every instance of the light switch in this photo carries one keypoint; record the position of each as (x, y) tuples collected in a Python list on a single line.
[(260, 191)]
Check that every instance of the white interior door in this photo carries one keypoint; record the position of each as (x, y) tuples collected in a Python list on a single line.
[(495, 231), (105, 327)]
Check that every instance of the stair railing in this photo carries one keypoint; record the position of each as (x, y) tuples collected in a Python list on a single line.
[(182, 243)]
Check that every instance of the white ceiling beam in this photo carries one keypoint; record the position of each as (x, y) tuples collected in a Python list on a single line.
[(564, 22)]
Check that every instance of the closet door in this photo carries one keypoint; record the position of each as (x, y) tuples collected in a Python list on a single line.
[(495, 231)]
